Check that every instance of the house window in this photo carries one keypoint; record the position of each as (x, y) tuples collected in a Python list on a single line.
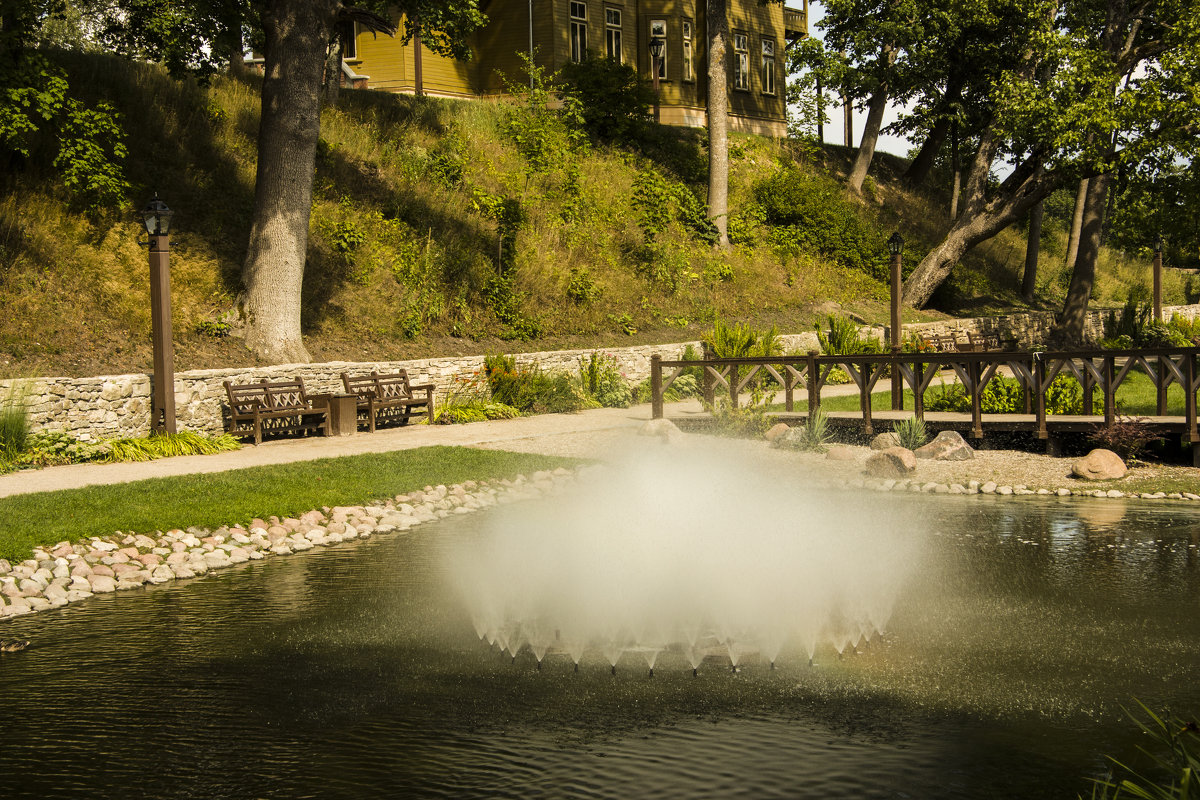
[(345, 32), (689, 69), (612, 35), (741, 62), (768, 66), (578, 31), (658, 30)]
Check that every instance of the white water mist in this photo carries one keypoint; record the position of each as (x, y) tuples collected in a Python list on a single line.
[(698, 550)]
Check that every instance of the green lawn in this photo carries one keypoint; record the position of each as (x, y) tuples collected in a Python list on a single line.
[(238, 496)]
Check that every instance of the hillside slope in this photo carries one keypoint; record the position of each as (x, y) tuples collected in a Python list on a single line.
[(459, 227)]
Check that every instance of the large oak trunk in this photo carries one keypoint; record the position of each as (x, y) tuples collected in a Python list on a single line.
[(718, 119), (1033, 249), (1076, 223), (296, 32), (1069, 330)]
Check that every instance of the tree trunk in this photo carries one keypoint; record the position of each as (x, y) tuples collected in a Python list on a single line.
[(847, 121), (866, 149), (922, 163), (981, 218), (956, 168), (1032, 250), (718, 119), (820, 100), (418, 67), (297, 33), (333, 73), (1076, 224), (1070, 327)]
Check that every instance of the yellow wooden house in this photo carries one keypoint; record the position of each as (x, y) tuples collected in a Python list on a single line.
[(559, 31)]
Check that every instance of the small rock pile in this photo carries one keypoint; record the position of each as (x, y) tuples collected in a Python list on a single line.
[(67, 572)]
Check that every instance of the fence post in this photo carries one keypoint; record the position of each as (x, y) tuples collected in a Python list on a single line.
[(918, 395), (656, 390), (789, 387), (1189, 405), (1162, 386), (1110, 394), (1088, 385), (864, 398), (733, 385), (975, 373), (1039, 397), (707, 388), (814, 393)]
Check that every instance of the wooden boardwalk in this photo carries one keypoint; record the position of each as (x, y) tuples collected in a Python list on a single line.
[(1099, 374)]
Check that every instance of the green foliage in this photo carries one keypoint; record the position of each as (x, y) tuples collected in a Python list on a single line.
[(53, 448), (911, 432), (468, 400), (32, 94), (947, 397), (91, 147), (744, 422), (742, 341), (184, 443), (1065, 396), (662, 201), (614, 100), (217, 329), (530, 390), (603, 382), (547, 134), (581, 289), (14, 422), (844, 339), (817, 434), (811, 215), (1175, 755), (1003, 396)]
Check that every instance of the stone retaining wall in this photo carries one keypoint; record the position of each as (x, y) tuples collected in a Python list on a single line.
[(107, 406)]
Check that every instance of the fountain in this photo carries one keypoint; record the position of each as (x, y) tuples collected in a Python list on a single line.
[(688, 554)]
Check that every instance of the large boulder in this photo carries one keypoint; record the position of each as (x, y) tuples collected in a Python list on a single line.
[(885, 440), (792, 439), (894, 462), (664, 429), (776, 430), (946, 446), (1099, 465)]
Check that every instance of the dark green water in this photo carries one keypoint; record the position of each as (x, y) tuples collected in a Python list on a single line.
[(352, 672)]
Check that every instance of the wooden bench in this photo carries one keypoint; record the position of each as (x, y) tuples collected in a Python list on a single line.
[(948, 343), (984, 342), (273, 407), (389, 397)]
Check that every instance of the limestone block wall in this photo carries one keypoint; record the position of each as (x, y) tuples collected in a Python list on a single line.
[(107, 406)]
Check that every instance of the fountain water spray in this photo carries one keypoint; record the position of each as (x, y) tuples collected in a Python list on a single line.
[(694, 551)]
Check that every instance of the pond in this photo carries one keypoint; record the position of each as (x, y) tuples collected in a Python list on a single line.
[(355, 671)]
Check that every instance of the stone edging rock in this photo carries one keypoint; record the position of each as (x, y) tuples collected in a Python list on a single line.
[(68, 573), (992, 488)]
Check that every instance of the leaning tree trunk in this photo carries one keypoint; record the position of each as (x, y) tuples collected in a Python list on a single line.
[(922, 163), (866, 148), (296, 32), (333, 72), (1069, 329), (718, 119), (956, 170), (1076, 224), (1032, 250)]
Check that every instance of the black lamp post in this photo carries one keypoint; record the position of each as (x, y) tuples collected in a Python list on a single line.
[(896, 248), (1158, 245), (657, 45), (156, 218)]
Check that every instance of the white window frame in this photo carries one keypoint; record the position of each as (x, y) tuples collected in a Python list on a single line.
[(578, 31), (768, 66), (689, 65), (612, 35), (741, 62), (658, 27)]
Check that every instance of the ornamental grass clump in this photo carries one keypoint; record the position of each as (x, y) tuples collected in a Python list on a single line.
[(166, 445), (14, 422), (911, 432), (532, 391)]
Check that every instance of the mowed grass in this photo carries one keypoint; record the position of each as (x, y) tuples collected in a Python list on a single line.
[(239, 496)]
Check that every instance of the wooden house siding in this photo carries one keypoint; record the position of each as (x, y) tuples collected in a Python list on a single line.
[(500, 45)]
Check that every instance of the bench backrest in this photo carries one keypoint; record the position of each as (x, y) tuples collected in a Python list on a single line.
[(272, 395), (387, 386), (393, 385)]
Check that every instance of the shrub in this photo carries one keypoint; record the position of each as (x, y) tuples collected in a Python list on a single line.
[(1003, 396), (530, 390), (53, 448), (1128, 437), (844, 339), (947, 397), (681, 388), (742, 341), (466, 401), (816, 431), (911, 432), (1065, 396), (603, 382), (812, 215), (614, 99)]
